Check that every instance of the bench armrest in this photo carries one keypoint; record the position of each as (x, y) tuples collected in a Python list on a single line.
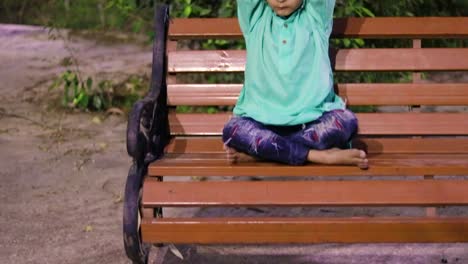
[(148, 126)]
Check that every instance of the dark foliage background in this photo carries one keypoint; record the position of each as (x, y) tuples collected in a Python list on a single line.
[(136, 15)]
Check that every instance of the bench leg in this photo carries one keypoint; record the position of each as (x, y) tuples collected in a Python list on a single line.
[(136, 250)]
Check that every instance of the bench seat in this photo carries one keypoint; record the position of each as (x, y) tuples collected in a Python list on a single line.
[(216, 164), (204, 156)]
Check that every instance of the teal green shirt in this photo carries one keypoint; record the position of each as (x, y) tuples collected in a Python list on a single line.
[(288, 75)]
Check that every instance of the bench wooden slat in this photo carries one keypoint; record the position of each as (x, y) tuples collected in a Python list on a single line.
[(430, 59), (382, 27), (203, 94), (305, 193), (216, 164), (304, 230), (369, 123), (371, 145), (354, 93)]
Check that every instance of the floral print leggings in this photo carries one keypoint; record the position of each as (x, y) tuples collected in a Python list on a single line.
[(290, 144)]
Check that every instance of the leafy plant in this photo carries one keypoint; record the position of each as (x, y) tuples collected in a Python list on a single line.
[(82, 94), (88, 96)]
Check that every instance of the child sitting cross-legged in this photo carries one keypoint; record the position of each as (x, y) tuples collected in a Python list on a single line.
[(287, 110)]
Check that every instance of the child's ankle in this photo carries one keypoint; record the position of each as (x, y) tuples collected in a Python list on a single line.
[(318, 156)]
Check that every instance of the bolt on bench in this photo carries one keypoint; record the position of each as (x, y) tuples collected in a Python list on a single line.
[(417, 146)]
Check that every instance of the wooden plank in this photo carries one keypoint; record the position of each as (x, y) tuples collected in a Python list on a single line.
[(354, 93), (206, 61), (369, 123), (382, 27), (304, 230), (413, 124), (404, 93), (305, 193), (430, 211), (171, 78), (216, 164), (203, 94), (204, 28), (429, 59), (371, 145)]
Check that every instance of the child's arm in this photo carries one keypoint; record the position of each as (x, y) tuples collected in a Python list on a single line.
[(248, 13), (321, 11)]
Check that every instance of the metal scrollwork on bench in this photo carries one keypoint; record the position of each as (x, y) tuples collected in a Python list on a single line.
[(147, 136), (148, 126)]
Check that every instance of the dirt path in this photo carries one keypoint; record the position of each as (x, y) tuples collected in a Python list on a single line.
[(62, 175)]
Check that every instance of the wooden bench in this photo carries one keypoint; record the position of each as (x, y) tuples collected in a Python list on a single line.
[(416, 145)]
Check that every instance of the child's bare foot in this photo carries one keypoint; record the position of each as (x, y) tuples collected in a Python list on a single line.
[(337, 156), (231, 154)]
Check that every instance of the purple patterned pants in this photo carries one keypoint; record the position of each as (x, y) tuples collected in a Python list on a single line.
[(290, 144)]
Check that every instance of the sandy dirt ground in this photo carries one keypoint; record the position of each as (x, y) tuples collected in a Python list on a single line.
[(62, 174)]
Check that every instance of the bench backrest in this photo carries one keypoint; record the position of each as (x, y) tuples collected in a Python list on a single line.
[(415, 92)]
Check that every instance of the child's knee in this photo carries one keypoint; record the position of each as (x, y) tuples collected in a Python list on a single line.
[(233, 127), (228, 129), (347, 121)]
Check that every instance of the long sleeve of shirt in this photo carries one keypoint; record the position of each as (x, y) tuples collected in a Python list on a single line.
[(249, 12), (321, 12)]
